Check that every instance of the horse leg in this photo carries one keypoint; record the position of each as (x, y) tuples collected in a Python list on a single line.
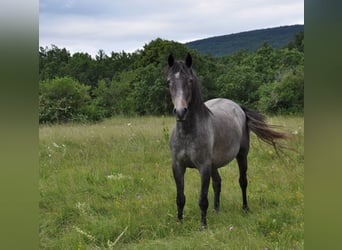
[(203, 201), (242, 162), (178, 174), (217, 188)]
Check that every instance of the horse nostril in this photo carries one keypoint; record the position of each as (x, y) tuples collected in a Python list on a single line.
[(180, 113)]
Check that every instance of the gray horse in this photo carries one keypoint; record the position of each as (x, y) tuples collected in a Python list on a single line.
[(209, 135)]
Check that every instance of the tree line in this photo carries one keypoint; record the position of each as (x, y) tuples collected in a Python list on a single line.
[(81, 88), (229, 44)]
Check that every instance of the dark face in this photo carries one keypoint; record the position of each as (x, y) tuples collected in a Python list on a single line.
[(180, 89), (180, 83)]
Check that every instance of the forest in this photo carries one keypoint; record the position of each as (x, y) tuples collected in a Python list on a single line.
[(277, 37), (80, 88)]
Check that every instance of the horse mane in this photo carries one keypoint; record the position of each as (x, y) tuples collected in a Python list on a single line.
[(197, 102), (179, 66)]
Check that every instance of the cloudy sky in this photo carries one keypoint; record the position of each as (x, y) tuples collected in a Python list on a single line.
[(127, 25)]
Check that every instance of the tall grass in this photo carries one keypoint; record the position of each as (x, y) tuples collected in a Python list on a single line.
[(110, 185)]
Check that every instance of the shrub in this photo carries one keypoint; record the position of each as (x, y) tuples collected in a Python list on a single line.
[(285, 95), (62, 100)]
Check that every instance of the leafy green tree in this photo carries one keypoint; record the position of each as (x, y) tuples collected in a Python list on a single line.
[(80, 87), (82, 67), (290, 59), (297, 42), (240, 84), (114, 97), (157, 51), (264, 62), (53, 62), (150, 93), (285, 95)]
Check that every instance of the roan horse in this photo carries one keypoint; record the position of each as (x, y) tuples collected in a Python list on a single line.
[(209, 135)]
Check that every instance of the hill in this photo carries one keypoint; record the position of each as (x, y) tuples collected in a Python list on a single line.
[(249, 40)]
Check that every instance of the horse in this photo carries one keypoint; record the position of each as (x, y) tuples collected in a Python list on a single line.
[(208, 135)]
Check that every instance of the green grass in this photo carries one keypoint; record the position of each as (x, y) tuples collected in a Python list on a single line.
[(110, 185)]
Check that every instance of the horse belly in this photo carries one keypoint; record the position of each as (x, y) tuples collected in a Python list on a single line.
[(224, 155), (227, 124)]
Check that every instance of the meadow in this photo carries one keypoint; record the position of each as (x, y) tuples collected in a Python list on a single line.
[(109, 185)]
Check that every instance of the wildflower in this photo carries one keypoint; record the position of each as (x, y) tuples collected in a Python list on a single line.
[(81, 207), (118, 176), (89, 236)]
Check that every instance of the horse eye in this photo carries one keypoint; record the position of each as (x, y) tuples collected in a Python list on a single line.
[(169, 83)]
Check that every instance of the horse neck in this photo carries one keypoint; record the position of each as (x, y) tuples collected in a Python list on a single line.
[(198, 115)]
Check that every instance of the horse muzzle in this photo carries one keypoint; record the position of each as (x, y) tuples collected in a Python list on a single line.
[(180, 113)]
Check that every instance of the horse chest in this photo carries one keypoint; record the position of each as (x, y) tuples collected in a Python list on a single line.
[(190, 151)]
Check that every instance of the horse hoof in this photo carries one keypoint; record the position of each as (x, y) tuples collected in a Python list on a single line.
[(203, 227), (245, 209), (216, 210)]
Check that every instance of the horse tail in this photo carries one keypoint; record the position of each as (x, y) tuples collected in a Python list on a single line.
[(256, 122)]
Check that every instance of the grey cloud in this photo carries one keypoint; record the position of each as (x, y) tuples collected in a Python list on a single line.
[(128, 25)]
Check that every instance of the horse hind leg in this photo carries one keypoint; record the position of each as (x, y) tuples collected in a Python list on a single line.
[(217, 188), (242, 162)]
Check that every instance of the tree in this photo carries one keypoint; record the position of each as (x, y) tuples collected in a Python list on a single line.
[(114, 97), (82, 67), (297, 42), (285, 95), (135, 83), (240, 84), (53, 62)]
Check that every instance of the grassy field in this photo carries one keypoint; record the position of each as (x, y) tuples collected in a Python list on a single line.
[(110, 185)]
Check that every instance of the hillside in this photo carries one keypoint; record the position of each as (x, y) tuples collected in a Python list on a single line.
[(250, 40)]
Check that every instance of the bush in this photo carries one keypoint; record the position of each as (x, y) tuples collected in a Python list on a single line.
[(285, 96), (63, 100)]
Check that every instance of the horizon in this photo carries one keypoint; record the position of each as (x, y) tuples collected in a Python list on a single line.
[(145, 43), (88, 26)]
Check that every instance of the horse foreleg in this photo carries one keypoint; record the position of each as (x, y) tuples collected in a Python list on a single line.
[(217, 188), (242, 162), (178, 174), (203, 201)]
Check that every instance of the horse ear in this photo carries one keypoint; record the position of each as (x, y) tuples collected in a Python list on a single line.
[(171, 60), (188, 60)]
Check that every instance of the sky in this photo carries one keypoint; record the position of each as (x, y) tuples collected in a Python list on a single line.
[(127, 25)]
